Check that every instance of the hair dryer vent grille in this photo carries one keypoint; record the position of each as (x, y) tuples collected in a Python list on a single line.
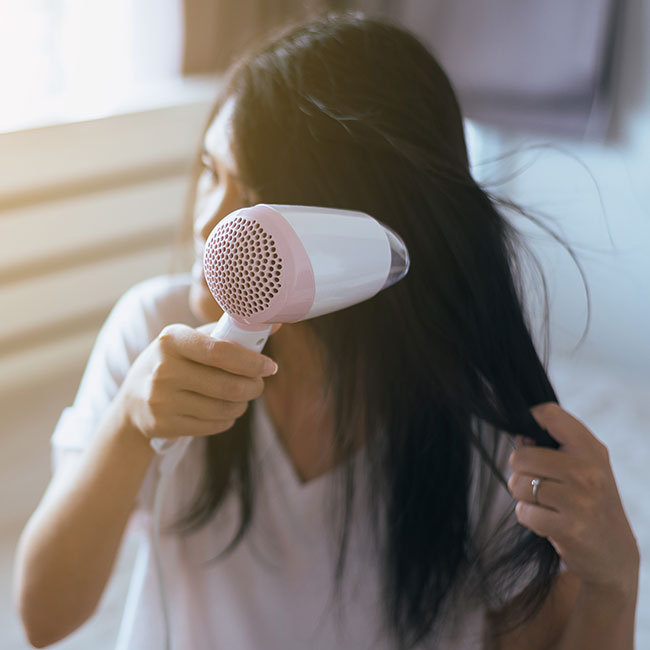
[(242, 267)]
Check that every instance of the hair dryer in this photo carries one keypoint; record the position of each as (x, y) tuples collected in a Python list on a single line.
[(270, 264), (282, 263)]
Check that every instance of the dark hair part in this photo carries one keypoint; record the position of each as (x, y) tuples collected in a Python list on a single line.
[(354, 113)]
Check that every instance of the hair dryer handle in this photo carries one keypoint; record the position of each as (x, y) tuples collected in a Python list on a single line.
[(226, 329)]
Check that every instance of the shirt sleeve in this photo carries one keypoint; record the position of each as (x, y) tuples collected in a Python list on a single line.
[(135, 320), (122, 337)]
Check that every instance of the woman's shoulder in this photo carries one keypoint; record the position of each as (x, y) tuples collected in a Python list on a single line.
[(163, 294), (137, 318), (156, 302)]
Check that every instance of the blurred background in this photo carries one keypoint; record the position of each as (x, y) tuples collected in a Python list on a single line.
[(102, 108)]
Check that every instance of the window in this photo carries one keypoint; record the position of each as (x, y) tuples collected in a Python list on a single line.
[(62, 60)]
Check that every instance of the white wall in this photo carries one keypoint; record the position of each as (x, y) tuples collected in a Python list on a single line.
[(565, 183), (87, 209)]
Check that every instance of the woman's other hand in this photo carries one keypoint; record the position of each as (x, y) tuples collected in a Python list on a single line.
[(186, 383), (577, 505)]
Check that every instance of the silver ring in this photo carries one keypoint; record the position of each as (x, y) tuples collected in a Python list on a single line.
[(536, 482)]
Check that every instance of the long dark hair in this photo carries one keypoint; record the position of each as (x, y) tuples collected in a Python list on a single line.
[(355, 113)]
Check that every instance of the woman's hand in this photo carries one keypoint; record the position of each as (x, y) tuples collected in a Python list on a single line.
[(577, 505), (186, 383)]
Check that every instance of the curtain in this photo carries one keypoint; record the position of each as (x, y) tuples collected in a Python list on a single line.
[(546, 67)]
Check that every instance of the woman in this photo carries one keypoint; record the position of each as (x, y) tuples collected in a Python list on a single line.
[(360, 501)]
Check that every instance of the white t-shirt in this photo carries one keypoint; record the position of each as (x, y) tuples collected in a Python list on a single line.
[(274, 590)]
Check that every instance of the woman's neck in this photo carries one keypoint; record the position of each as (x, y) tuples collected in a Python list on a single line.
[(298, 404)]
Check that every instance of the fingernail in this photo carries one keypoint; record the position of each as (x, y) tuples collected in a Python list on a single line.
[(270, 367)]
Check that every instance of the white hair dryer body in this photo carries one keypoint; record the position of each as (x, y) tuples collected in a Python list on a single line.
[(284, 263)]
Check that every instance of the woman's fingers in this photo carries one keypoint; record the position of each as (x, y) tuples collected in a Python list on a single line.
[(188, 425), (576, 505), (550, 494), (208, 381), (219, 369), (570, 432), (187, 383), (207, 408), (194, 345), (542, 461), (543, 521)]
